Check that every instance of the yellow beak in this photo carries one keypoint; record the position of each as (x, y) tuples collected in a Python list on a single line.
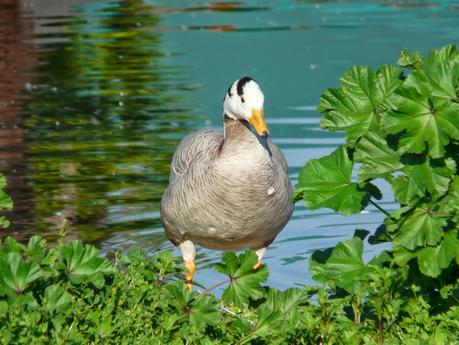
[(258, 122)]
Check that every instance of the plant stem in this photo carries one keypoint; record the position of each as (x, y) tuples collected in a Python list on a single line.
[(206, 291), (380, 329), (379, 208)]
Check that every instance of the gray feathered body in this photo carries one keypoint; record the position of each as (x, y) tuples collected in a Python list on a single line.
[(227, 191)]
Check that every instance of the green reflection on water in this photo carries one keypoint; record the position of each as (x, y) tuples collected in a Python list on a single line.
[(103, 122)]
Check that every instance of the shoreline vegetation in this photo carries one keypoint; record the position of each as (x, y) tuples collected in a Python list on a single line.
[(402, 126)]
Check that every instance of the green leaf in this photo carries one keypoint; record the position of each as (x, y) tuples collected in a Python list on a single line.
[(244, 281), (420, 227), (198, 310), (433, 177), (83, 261), (451, 201), (410, 60), (36, 249), (279, 310), (11, 245), (205, 311), (377, 158), (432, 260), (17, 274), (406, 190), (440, 74), (326, 182), (424, 124), (56, 298), (4, 223), (345, 267), (430, 176), (380, 260), (354, 106), (3, 309), (402, 255)]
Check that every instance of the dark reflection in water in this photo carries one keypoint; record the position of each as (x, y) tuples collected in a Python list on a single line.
[(17, 59), (101, 121)]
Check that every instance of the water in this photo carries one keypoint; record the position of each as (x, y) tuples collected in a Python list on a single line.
[(95, 95)]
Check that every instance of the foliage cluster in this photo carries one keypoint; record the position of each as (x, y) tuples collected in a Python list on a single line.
[(402, 126), (70, 295)]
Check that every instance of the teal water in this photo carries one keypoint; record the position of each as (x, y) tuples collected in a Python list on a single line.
[(95, 95)]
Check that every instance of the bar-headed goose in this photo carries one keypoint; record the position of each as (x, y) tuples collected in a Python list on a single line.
[(228, 190)]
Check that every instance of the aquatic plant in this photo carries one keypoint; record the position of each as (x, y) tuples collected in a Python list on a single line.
[(402, 126)]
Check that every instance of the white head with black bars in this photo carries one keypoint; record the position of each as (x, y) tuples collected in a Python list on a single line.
[(244, 101)]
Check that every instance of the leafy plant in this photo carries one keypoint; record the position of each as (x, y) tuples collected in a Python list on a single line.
[(144, 300), (401, 126)]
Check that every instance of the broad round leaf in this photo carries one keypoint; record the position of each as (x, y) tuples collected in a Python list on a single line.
[(326, 182), (432, 260), (354, 106), (83, 261), (244, 280), (430, 176), (426, 108), (420, 227), (345, 266), (425, 125), (377, 158)]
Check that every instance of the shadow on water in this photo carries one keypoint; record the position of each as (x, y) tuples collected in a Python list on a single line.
[(101, 120)]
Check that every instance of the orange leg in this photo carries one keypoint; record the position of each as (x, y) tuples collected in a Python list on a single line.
[(260, 253), (190, 271), (188, 251)]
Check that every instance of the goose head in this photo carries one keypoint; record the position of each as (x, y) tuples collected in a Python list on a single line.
[(244, 102)]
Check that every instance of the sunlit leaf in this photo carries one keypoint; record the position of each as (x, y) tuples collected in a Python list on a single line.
[(402, 255), (419, 179), (244, 280), (406, 190), (36, 249), (199, 310), (354, 106), (82, 261), (410, 60), (17, 274), (56, 298), (440, 74), (279, 310), (377, 158), (422, 123), (326, 182), (345, 266), (451, 200), (420, 227), (432, 260), (10, 245)]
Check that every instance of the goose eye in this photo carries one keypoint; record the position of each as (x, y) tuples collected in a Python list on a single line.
[(242, 100)]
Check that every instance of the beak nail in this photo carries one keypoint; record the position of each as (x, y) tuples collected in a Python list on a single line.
[(264, 134)]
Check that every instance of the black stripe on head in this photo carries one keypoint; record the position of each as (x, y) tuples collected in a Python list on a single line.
[(241, 83), (229, 90)]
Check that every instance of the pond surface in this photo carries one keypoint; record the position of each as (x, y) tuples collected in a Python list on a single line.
[(95, 96)]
